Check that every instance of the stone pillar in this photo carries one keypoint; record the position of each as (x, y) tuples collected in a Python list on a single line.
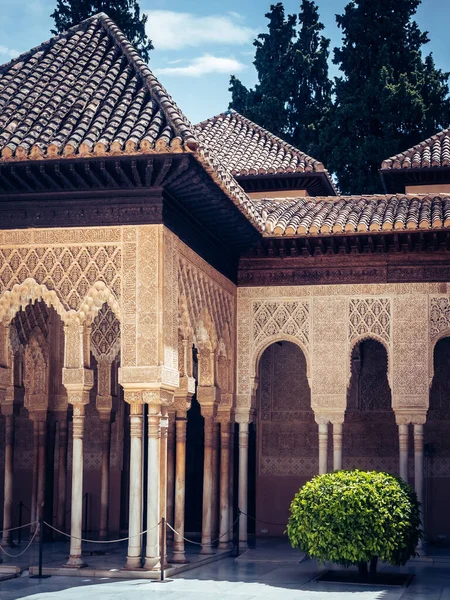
[(419, 422), (170, 475), (243, 482), (224, 534), (76, 521), (103, 404), (323, 443), (337, 444), (104, 490), (403, 430), (181, 405), (62, 472), (207, 482), (7, 410), (164, 427), (179, 555), (152, 555), (35, 475), (78, 379), (215, 482), (136, 471), (42, 438), (231, 480)]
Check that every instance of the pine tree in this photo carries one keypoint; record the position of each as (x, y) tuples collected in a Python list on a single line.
[(125, 13), (293, 92), (389, 97)]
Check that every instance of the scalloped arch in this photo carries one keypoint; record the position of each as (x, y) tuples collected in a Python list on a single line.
[(98, 294), (28, 291), (441, 335), (279, 337), (376, 338)]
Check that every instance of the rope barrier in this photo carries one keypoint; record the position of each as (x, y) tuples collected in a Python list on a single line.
[(199, 543), (19, 527), (23, 551), (261, 521), (99, 541)]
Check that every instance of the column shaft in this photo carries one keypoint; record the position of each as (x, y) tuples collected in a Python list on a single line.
[(41, 469), (207, 487), (418, 472), (104, 490), (403, 448), (337, 446), (76, 521), (180, 489), (8, 491), (323, 448), (215, 482), (62, 473), (224, 479), (243, 483), (152, 557), (164, 426), (34, 482), (135, 504), (170, 474)]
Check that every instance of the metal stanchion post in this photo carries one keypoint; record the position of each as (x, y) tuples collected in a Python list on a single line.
[(41, 550), (163, 546), (19, 537)]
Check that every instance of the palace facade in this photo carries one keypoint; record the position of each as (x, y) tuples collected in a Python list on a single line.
[(193, 321)]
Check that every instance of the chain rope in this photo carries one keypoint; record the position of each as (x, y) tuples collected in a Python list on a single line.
[(199, 543), (29, 544), (20, 527), (100, 541), (261, 521)]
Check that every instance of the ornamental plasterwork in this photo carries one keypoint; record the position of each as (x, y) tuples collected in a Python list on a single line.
[(105, 335), (369, 316), (439, 316)]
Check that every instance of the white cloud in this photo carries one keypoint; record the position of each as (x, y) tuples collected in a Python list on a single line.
[(170, 30), (8, 52), (204, 65)]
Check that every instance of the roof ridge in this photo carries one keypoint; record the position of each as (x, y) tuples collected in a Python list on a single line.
[(172, 112), (261, 129), (385, 164), (51, 41)]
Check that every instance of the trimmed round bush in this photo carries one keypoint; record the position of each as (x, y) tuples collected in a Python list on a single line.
[(356, 517)]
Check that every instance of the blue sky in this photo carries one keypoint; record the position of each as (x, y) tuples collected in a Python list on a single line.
[(200, 43)]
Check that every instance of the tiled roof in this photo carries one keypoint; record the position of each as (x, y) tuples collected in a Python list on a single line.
[(433, 152), (353, 214), (86, 92), (245, 148)]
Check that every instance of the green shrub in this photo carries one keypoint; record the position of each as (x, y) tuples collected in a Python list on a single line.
[(356, 517)]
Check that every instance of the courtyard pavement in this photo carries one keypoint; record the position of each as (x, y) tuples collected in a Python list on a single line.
[(271, 571)]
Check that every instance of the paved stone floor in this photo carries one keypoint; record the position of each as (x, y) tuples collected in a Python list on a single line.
[(271, 571)]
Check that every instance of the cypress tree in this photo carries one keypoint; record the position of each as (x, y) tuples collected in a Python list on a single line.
[(125, 13), (388, 98)]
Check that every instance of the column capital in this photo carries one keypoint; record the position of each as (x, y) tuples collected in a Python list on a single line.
[(323, 418), (78, 383), (208, 395), (149, 378), (7, 409), (407, 417)]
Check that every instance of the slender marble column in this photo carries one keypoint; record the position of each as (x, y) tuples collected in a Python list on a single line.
[(104, 490), (243, 483), (170, 475), (179, 555), (164, 426), (215, 482), (231, 480), (42, 436), (403, 447), (207, 486), (224, 534), (135, 504), (8, 491), (337, 446), (62, 473), (152, 558), (34, 483), (418, 472), (323, 448), (75, 557)]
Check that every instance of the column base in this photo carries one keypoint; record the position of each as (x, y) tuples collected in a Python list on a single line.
[(207, 550), (224, 545), (75, 562), (243, 546), (7, 544), (133, 563), (178, 558), (152, 563)]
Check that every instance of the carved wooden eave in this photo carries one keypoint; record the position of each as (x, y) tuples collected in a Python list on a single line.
[(316, 183), (396, 180), (342, 258)]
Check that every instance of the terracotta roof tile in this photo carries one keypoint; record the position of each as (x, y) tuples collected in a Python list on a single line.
[(86, 92), (353, 214), (245, 148), (433, 152)]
